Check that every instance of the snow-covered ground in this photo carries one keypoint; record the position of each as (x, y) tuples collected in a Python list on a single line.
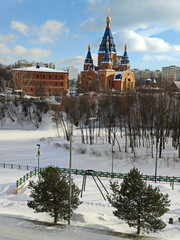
[(94, 218)]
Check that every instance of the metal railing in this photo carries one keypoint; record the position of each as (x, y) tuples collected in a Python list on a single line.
[(82, 172)]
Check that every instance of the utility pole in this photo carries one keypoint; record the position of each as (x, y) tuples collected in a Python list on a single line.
[(70, 179), (38, 155)]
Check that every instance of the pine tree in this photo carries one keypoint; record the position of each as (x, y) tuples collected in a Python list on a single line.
[(51, 194), (139, 204)]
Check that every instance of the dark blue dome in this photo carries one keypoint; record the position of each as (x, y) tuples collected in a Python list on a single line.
[(89, 57), (118, 76), (107, 35), (125, 58)]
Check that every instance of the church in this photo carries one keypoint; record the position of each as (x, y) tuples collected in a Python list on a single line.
[(113, 71)]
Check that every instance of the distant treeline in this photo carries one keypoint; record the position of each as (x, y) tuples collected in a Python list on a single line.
[(142, 119)]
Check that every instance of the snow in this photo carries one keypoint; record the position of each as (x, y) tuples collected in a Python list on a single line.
[(94, 218), (40, 69)]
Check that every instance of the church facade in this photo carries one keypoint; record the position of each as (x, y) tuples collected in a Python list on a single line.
[(113, 71)]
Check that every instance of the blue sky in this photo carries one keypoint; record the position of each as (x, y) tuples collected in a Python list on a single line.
[(59, 31)]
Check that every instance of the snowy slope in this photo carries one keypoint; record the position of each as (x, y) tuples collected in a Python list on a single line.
[(19, 147)]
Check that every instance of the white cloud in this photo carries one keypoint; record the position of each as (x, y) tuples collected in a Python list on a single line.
[(20, 27), (91, 24), (33, 53), (48, 32), (4, 49), (139, 43), (76, 61), (7, 60), (20, 51), (133, 14), (6, 38), (159, 58)]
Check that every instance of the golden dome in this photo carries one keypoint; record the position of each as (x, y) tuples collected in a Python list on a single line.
[(107, 44)]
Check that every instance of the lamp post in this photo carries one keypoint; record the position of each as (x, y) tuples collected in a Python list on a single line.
[(38, 155), (70, 179), (112, 167)]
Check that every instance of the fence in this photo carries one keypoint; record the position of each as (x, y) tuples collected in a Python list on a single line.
[(82, 172), (16, 166)]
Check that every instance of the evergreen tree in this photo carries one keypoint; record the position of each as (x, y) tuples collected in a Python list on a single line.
[(51, 194), (139, 204)]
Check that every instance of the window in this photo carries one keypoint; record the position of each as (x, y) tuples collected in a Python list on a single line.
[(49, 76), (31, 89), (56, 77), (62, 84), (50, 84), (37, 76), (44, 76), (44, 83), (62, 77), (55, 83), (49, 90)]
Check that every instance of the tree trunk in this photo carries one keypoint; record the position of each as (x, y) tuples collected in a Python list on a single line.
[(55, 217), (138, 226)]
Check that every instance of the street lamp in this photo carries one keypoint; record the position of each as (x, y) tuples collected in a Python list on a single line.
[(38, 155)]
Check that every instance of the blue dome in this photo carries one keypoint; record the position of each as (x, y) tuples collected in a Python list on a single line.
[(125, 58), (107, 35), (118, 76), (89, 57)]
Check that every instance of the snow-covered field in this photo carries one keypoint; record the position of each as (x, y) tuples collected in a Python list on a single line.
[(94, 218)]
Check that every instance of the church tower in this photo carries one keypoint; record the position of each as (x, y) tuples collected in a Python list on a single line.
[(112, 48), (88, 64), (106, 62), (125, 63)]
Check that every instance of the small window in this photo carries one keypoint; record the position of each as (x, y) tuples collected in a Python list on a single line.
[(37, 76), (50, 84), (44, 76), (62, 77), (56, 77), (31, 89), (62, 84), (44, 83), (49, 76), (56, 83), (49, 90)]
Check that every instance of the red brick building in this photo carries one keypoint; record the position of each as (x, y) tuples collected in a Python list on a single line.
[(40, 81), (113, 71)]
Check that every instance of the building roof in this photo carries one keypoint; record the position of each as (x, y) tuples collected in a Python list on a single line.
[(39, 69)]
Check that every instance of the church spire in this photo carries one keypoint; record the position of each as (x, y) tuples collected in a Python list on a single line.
[(88, 61), (89, 57), (125, 63), (108, 34)]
